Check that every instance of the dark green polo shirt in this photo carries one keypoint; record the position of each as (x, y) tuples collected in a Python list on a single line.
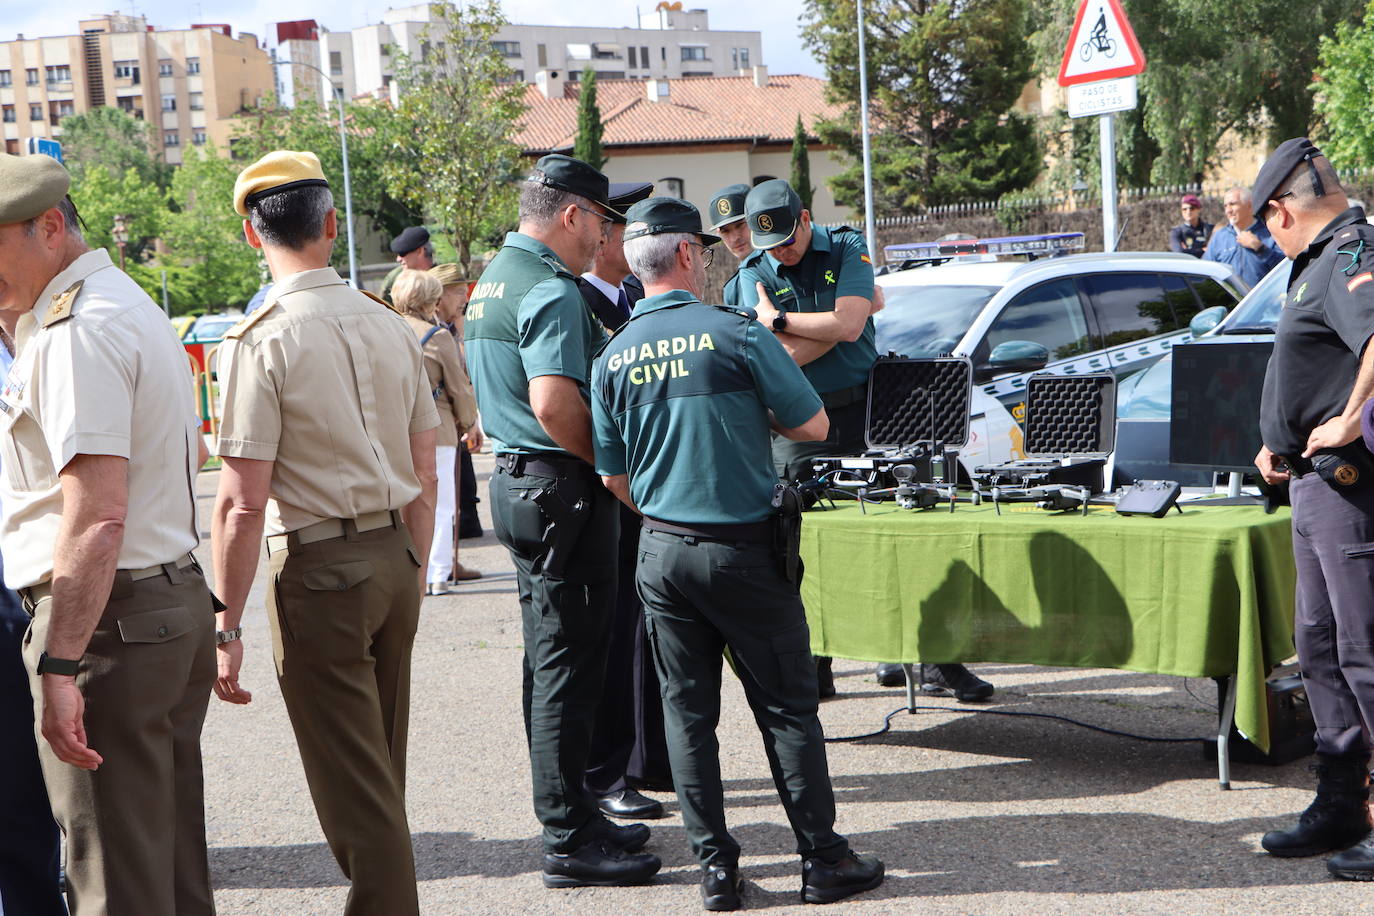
[(731, 293), (680, 402), (526, 318), (837, 264)]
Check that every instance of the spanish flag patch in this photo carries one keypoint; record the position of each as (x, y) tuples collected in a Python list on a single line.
[(1358, 281), (866, 259)]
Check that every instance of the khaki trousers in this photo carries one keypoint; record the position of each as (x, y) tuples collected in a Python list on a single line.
[(343, 614), (135, 827)]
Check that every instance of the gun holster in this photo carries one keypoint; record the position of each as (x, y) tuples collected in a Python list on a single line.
[(787, 519), (567, 506), (1346, 467)]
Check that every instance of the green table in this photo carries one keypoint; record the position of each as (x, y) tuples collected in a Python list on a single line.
[(1207, 593)]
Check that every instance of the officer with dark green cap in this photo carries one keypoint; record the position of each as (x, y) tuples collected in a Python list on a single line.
[(530, 342), (727, 211), (683, 397)]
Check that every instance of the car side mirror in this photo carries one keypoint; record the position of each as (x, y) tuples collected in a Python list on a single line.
[(1017, 356), (1207, 319)]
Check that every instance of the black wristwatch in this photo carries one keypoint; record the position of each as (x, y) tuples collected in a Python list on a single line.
[(780, 321), (64, 666)]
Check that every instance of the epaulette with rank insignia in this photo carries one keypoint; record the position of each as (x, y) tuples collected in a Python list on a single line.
[(735, 310), (61, 307), (559, 268), (376, 298), (237, 330), (1354, 256)]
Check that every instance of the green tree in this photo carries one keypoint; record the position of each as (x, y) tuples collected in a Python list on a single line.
[(456, 161), (208, 263), (112, 140), (587, 144), (801, 166), (942, 76), (1345, 82), (100, 196)]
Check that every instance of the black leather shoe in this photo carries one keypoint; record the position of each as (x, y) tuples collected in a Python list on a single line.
[(599, 864), (720, 887), (825, 677), (625, 837), (954, 679), (1355, 864), (628, 803), (827, 882), (890, 674)]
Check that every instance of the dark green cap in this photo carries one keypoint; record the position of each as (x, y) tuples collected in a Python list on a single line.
[(728, 205), (662, 215), (773, 210), (574, 176), (30, 186)]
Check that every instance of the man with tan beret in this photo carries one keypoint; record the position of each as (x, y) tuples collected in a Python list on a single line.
[(328, 441), (100, 448)]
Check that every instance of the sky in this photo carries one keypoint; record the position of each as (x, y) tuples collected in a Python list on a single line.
[(776, 19)]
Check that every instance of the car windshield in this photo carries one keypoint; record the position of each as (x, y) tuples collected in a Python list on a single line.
[(1259, 312), (928, 320), (212, 328)]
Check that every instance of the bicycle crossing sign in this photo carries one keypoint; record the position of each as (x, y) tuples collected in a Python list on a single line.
[(1102, 45)]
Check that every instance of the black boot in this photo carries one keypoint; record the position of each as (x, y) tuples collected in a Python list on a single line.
[(1337, 818), (1356, 863), (825, 677)]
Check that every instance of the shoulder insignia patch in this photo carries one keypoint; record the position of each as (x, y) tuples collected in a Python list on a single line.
[(376, 298), (1360, 280), (60, 309), (238, 330), (866, 259)]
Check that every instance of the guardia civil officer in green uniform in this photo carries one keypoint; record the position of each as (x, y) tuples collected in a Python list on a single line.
[(530, 342), (683, 398), (727, 211)]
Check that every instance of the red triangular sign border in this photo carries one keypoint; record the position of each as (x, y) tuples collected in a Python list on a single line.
[(1137, 64)]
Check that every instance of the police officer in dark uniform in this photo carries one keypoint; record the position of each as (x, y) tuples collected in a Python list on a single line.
[(628, 751), (1320, 376), (683, 397), (530, 341)]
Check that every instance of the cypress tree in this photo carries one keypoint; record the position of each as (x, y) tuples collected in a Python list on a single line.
[(587, 144), (801, 166)]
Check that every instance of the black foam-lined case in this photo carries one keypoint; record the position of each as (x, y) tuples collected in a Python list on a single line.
[(1070, 415), (919, 400)]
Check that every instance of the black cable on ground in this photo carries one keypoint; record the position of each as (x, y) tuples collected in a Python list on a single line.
[(887, 724)]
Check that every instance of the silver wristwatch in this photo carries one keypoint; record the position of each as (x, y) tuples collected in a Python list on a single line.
[(224, 636)]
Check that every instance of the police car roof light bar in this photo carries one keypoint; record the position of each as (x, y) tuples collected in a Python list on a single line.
[(1033, 246)]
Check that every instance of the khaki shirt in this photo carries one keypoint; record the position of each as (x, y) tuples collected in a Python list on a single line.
[(328, 384), (99, 371), (448, 380)]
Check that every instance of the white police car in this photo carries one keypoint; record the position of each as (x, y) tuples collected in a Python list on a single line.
[(1061, 313)]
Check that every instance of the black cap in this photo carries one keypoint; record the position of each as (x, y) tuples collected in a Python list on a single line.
[(572, 175), (773, 210), (662, 215), (728, 205), (624, 194), (409, 240), (1277, 168)]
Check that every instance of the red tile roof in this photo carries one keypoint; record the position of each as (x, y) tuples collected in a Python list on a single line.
[(696, 110)]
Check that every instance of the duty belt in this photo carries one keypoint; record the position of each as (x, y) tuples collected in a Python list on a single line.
[(844, 397), (540, 464), (35, 593), (752, 532), (332, 528)]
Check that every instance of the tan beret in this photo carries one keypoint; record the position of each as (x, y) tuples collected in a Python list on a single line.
[(448, 274), (278, 171), (30, 185)]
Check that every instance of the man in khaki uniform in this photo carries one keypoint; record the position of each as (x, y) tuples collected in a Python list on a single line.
[(99, 449), (328, 439)]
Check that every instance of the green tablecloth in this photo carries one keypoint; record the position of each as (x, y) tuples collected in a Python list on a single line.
[(1205, 593)]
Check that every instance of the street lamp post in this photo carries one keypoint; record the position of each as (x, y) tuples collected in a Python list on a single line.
[(120, 234), (343, 145), (869, 230)]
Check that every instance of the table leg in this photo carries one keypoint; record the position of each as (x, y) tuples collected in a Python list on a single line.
[(1227, 719), (910, 673)]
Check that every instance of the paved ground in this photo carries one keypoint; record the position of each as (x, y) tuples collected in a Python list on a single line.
[(972, 813)]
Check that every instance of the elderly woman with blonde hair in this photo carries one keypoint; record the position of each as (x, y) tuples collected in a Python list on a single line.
[(416, 294)]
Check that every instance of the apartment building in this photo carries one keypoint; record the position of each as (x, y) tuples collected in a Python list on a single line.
[(668, 43), (187, 83)]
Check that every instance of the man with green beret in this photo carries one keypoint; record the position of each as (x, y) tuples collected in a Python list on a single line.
[(682, 401), (101, 448), (530, 341), (328, 441)]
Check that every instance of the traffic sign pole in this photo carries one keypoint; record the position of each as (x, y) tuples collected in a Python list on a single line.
[(1107, 138)]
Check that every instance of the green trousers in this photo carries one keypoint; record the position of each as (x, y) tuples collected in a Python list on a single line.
[(701, 596), (566, 621)]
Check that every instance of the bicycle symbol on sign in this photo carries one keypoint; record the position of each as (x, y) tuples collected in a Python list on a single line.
[(1098, 40)]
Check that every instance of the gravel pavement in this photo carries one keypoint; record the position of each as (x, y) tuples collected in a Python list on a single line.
[(972, 813)]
